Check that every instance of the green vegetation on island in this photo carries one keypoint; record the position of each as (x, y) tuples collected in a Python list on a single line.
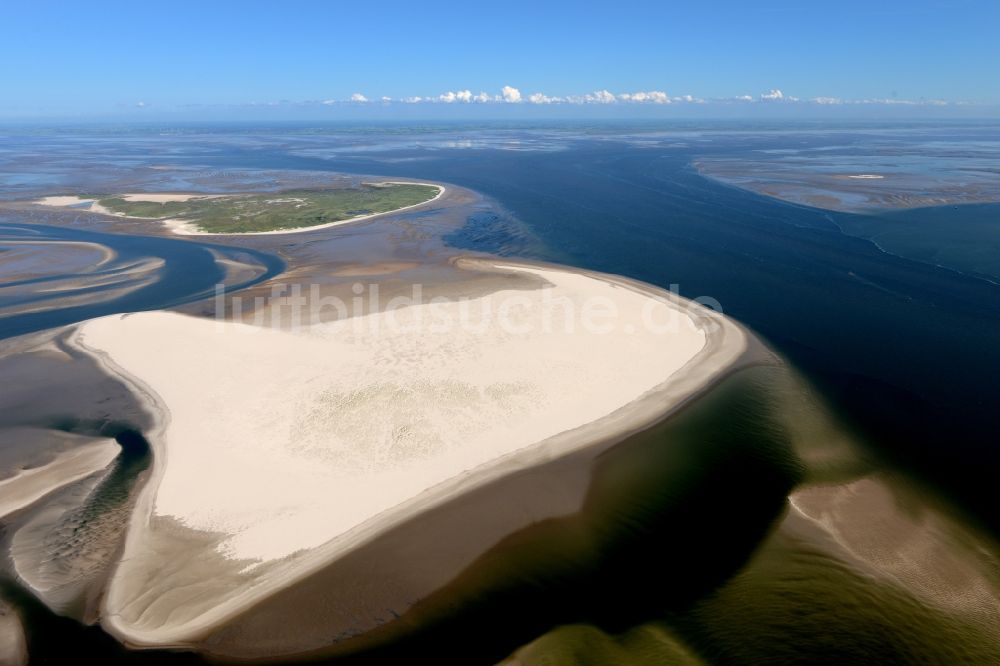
[(293, 209)]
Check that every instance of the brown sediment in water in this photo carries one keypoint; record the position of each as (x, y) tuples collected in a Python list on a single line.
[(364, 270), (867, 572), (13, 646)]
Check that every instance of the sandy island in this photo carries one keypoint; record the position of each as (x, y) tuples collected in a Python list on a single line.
[(184, 227), (278, 452)]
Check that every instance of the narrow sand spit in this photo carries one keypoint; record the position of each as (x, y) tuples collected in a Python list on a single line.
[(167, 196), (26, 259), (154, 197), (60, 201), (279, 451), (31, 485)]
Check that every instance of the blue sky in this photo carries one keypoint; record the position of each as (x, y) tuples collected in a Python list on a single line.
[(152, 57)]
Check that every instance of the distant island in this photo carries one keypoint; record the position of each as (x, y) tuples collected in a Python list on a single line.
[(255, 213)]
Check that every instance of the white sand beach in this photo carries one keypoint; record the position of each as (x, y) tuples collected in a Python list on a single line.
[(290, 448), (60, 201), (153, 197), (165, 197)]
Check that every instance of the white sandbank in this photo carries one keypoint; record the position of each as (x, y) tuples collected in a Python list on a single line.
[(67, 201), (30, 485), (294, 447), (153, 197), (60, 201), (165, 197)]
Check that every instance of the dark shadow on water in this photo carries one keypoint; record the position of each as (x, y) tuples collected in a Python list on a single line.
[(59, 640)]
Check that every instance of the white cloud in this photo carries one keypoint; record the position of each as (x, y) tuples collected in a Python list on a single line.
[(539, 98), (601, 97), (464, 96), (511, 95), (775, 95), (596, 97), (653, 97), (904, 102)]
